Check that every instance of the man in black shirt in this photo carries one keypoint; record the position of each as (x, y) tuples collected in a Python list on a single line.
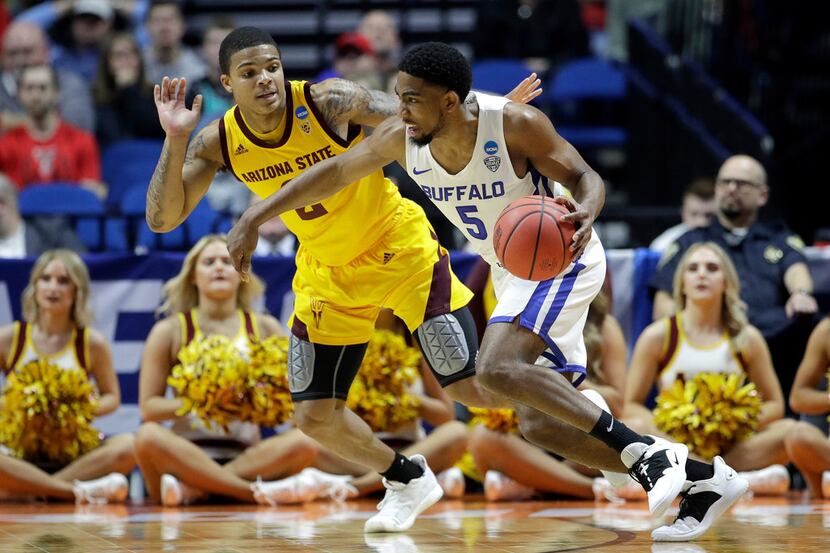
[(775, 280)]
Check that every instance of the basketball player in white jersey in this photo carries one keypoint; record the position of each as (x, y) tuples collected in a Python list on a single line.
[(472, 159)]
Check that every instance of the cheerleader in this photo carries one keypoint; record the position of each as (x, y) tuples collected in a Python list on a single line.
[(710, 334), (181, 459), (55, 329)]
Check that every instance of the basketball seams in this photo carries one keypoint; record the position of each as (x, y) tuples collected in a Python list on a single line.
[(541, 214), (516, 225), (562, 238)]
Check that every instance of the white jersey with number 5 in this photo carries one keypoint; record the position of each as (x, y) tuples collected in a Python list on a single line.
[(473, 199)]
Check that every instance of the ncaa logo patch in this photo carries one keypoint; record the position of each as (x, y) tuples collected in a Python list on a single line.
[(492, 161), (301, 112)]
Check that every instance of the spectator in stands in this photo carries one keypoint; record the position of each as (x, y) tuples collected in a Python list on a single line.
[(274, 237), (166, 55), (807, 446), (775, 280), (544, 33), (382, 31), (514, 469), (215, 99), (26, 44), (55, 325), (91, 22), (697, 211), (46, 149), (354, 59), (123, 98), (185, 463), (710, 333), (19, 238)]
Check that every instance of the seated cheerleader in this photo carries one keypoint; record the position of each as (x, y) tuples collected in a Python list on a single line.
[(55, 330), (514, 469), (332, 476), (807, 446), (710, 334), (185, 462)]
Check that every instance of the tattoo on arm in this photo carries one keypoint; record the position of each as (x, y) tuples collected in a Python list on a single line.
[(197, 146), (154, 200), (345, 99)]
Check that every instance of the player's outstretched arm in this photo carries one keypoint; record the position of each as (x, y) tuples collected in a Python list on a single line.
[(384, 146), (183, 172), (342, 101), (530, 134)]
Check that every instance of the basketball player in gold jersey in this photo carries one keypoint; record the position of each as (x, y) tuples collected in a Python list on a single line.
[(362, 248)]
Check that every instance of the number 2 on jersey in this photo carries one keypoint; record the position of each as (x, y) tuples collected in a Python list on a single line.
[(314, 211), (475, 226)]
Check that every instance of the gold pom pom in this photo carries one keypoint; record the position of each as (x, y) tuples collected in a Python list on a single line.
[(497, 420), (210, 379), (709, 413), (268, 398), (219, 385), (380, 392), (47, 413)]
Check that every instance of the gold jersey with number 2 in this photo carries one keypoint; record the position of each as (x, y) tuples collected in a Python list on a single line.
[(339, 228)]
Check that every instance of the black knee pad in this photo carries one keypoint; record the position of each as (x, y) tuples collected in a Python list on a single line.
[(449, 343), (316, 371)]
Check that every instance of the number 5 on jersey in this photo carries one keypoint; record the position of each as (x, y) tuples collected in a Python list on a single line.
[(475, 226)]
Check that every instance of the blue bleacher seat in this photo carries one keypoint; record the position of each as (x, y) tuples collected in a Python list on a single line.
[(81, 206), (498, 75), (126, 164), (201, 221), (59, 198), (576, 90)]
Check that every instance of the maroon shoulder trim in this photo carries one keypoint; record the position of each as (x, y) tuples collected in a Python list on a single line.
[(674, 335), (22, 327), (249, 326), (289, 119), (354, 130), (80, 349), (223, 143), (189, 328)]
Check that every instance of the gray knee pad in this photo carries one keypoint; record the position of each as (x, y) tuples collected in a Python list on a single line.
[(444, 344), (300, 364)]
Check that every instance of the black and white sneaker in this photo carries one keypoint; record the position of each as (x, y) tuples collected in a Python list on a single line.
[(660, 468), (703, 502)]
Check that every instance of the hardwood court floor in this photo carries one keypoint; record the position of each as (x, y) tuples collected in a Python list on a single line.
[(759, 525)]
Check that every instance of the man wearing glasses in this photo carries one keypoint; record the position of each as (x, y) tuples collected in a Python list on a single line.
[(775, 280)]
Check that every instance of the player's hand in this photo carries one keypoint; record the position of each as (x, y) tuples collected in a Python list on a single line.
[(800, 303), (583, 220), (175, 118), (242, 240), (526, 90)]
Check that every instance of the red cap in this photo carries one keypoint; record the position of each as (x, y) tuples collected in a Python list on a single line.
[(353, 42)]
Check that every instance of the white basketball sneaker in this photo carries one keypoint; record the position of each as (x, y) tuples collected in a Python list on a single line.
[(292, 490), (452, 482), (606, 491), (660, 468), (325, 484), (500, 487), (112, 488), (174, 492), (404, 502), (703, 502), (772, 480)]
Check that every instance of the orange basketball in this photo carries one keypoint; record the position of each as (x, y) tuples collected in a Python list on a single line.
[(531, 240)]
